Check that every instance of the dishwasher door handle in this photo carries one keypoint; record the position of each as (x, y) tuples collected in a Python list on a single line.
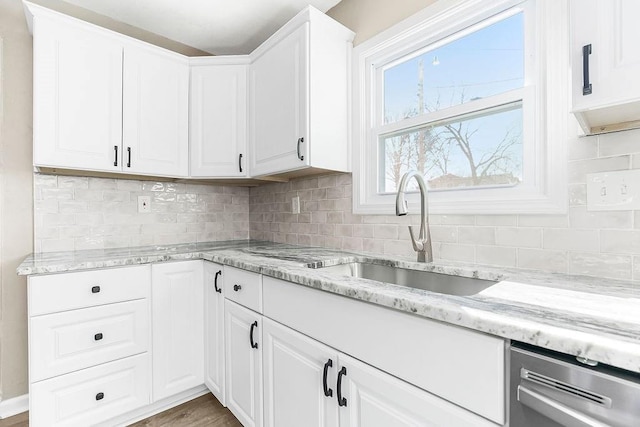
[(556, 411)]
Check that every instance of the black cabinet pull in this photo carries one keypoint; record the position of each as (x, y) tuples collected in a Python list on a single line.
[(97, 336), (237, 287), (100, 396), (95, 289), (253, 326), (215, 282), (240, 162), (300, 141), (586, 86), (129, 157), (342, 401), (327, 391), (115, 161)]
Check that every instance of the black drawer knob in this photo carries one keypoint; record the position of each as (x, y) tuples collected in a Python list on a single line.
[(237, 287), (95, 289), (97, 337), (100, 396)]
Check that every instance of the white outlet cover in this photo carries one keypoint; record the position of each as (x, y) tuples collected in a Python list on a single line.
[(144, 204), (613, 191)]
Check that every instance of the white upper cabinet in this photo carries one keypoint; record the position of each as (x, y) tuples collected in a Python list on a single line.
[(218, 119), (298, 97), (605, 64), (155, 134), (77, 106), (105, 102)]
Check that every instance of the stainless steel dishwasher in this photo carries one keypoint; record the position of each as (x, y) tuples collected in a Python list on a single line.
[(550, 389)]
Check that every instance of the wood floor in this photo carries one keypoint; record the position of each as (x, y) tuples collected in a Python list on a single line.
[(200, 412)]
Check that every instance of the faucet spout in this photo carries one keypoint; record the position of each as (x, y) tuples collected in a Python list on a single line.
[(421, 244)]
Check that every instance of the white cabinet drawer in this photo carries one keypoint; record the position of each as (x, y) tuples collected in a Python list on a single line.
[(462, 366), (92, 395), (68, 291), (72, 340), (243, 287)]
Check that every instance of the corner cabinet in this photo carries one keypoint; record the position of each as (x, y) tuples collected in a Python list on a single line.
[(218, 122), (605, 64), (299, 91), (105, 102)]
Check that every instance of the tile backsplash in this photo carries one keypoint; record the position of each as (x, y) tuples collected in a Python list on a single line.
[(73, 213), (83, 213)]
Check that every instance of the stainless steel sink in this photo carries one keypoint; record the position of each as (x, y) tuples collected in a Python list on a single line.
[(433, 282)]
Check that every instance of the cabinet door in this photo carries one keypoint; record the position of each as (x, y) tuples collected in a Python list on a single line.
[(611, 28), (178, 318), (214, 330), (279, 106), (155, 113), (299, 379), (77, 109), (218, 121), (243, 331), (373, 398)]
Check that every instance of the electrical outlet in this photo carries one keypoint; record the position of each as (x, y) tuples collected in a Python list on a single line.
[(295, 205), (144, 204), (613, 191)]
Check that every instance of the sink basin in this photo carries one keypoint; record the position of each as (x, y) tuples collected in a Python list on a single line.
[(433, 282)]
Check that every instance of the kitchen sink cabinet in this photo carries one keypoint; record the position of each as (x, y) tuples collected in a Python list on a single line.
[(218, 117), (299, 379), (214, 357), (605, 64), (243, 346), (105, 102), (298, 91), (177, 327)]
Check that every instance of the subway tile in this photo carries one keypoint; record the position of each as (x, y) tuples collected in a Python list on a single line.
[(456, 252), (57, 193), (444, 233), (45, 181), (620, 241), (477, 235), (578, 169), (87, 195), (542, 260), (495, 255), (636, 268), (555, 221), (577, 194), (617, 143), (374, 246), (363, 230), (583, 148), (385, 231), (520, 237), (497, 220), (102, 184), (73, 182), (57, 245), (601, 265), (579, 217), (326, 181), (571, 239)]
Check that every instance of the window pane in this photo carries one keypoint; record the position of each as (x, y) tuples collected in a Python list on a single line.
[(484, 63), (480, 151)]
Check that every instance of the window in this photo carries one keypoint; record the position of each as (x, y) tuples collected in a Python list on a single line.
[(462, 93)]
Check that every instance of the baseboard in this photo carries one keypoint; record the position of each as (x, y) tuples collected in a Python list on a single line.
[(157, 407), (14, 406)]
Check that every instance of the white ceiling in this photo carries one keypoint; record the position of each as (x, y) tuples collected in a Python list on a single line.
[(216, 26)]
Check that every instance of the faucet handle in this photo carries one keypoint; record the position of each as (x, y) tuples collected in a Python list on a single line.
[(418, 245)]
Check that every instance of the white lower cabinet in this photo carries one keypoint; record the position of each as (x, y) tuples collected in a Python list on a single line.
[(90, 396), (243, 345), (299, 379), (214, 377), (177, 325), (307, 383)]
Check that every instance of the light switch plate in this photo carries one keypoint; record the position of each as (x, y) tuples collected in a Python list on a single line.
[(613, 191), (144, 204)]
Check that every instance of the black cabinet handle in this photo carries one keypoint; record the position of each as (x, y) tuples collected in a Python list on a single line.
[(300, 141), (98, 336), (100, 396), (215, 282), (342, 401), (327, 391), (95, 289), (129, 157), (237, 287), (115, 161), (586, 86), (240, 162), (253, 344)]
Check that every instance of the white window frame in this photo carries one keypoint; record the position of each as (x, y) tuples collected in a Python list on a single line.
[(545, 108)]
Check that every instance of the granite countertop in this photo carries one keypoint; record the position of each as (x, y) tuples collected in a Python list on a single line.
[(584, 316)]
